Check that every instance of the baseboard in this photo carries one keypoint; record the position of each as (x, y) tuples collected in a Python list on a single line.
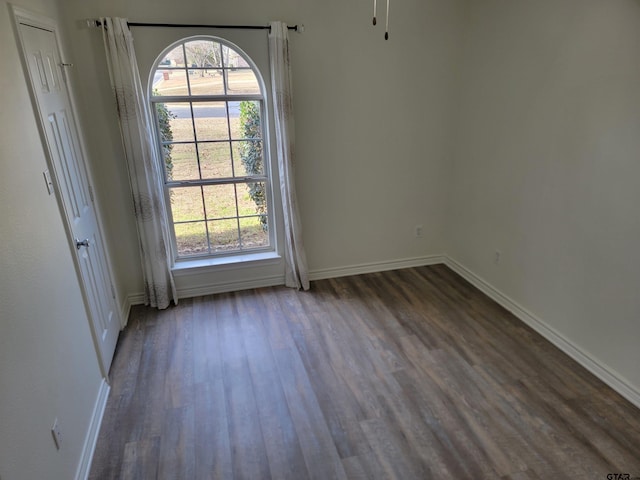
[(601, 371), (88, 449), (375, 267), (125, 308), (270, 281)]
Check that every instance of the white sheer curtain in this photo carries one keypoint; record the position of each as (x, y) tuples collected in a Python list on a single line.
[(142, 161), (296, 271)]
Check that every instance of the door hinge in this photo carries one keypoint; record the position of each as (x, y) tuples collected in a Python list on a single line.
[(91, 194), (113, 292)]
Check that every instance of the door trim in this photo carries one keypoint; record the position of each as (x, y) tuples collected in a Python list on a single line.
[(20, 16)]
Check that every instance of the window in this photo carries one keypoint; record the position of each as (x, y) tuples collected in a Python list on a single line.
[(209, 106)]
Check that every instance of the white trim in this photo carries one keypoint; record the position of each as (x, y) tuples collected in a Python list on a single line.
[(375, 267), (26, 17), (84, 466), (20, 17), (135, 299), (274, 280), (224, 287), (193, 266), (268, 177), (125, 310), (603, 372), (129, 301)]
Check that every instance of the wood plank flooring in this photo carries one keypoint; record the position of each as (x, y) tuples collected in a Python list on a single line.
[(411, 374)]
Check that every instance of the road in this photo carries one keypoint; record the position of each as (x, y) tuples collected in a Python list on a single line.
[(204, 111)]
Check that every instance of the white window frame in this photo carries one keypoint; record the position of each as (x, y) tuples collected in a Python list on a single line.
[(224, 256)]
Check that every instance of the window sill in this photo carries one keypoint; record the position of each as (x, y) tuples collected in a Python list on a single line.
[(225, 263)]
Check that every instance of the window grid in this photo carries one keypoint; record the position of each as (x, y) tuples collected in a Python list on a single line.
[(234, 142)]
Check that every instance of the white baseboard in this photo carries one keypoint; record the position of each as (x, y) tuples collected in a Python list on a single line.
[(601, 371), (270, 281), (89, 447), (604, 373), (125, 309), (375, 267)]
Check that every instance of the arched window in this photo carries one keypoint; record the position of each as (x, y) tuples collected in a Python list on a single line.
[(209, 105)]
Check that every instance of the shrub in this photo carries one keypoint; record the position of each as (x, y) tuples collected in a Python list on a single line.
[(251, 155), (166, 134)]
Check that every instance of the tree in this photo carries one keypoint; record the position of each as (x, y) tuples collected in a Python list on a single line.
[(166, 134), (251, 155), (203, 54)]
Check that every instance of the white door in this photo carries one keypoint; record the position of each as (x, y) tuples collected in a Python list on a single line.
[(49, 88)]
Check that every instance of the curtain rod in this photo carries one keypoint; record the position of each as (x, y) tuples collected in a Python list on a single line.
[(98, 23)]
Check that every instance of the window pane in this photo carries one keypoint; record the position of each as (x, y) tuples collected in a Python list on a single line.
[(242, 82), (203, 54), (254, 233), (252, 199), (235, 127), (168, 162), (234, 109), (247, 158), (191, 238), (206, 82), (175, 58), (186, 204), (185, 162), (211, 121), (223, 235), (215, 160), (220, 201), (232, 59), (178, 116), (165, 117), (245, 120), (234, 119), (170, 83), (205, 141)]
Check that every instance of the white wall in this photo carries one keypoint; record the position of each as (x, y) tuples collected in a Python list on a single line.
[(540, 162), (546, 167), (371, 122), (48, 364)]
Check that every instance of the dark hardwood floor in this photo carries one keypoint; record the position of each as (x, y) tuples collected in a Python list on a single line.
[(411, 374)]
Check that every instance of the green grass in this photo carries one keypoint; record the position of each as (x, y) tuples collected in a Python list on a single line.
[(239, 82), (188, 204)]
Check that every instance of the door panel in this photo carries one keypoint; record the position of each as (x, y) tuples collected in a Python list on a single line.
[(62, 142), (59, 130)]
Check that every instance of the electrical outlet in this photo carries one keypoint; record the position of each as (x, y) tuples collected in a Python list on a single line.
[(419, 231), (496, 257), (57, 434)]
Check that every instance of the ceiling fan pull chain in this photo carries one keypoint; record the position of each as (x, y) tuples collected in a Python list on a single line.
[(386, 33), (375, 8)]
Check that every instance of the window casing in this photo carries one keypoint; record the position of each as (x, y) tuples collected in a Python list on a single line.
[(208, 101)]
